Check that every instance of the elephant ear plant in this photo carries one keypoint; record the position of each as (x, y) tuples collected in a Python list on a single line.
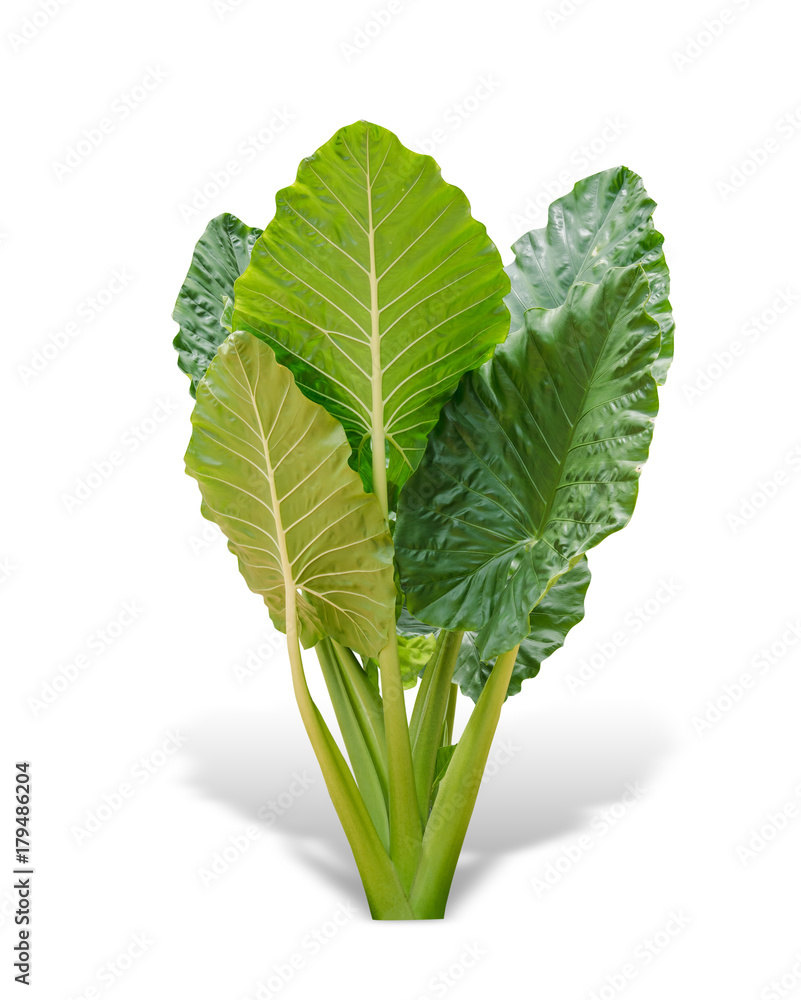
[(411, 450)]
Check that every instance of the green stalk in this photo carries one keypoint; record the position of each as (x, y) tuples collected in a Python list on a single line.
[(450, 716), (456, 797), (428, 717), (369, 709), (385, 894), (405, 827), (351, 727)]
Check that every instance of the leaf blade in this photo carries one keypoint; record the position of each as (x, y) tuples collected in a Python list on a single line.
[(553, 617), (605, 221), (273, 471), (221, 254), (375, 285), (535, 460)]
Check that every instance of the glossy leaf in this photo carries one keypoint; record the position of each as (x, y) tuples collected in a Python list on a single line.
[(550, 621), (605, 221), (273, 471), (222, 253), (535, 460), (377, 288)]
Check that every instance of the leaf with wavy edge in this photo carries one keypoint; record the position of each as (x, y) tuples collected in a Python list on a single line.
[(273, 472), (534, 460), (549, 622), (377, 288), (222, 253), (605, 221)]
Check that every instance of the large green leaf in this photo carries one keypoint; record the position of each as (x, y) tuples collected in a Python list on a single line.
[(222, 253), (605, 221), (273, 472), (377, 288), (535, 460), (550, 621)]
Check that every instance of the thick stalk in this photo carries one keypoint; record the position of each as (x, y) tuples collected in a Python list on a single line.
[(367, 705), (429, 715), (405, 826), (351, 725), (453, 806), (385, 894), (450, 716)]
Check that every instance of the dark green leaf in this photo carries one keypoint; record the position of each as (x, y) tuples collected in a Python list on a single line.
[(550, 621), (535, 460), (604, 222), (221, 255)]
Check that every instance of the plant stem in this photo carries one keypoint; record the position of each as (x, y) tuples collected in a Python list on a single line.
[(429, 715), (385, 894), (352, 725), (450, 715), (405, 826), (453, 806)]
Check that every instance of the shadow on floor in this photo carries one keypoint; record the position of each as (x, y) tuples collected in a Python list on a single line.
[(552, 777)]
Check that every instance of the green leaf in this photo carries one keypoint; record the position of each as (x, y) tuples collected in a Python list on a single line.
[(273, 471), (414, 652), (550, 621), (535, 460), (408, 625), (221, 255), (604, 222), (377, 288)]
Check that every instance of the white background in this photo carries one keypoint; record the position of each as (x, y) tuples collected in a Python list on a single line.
[(693, 108)]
